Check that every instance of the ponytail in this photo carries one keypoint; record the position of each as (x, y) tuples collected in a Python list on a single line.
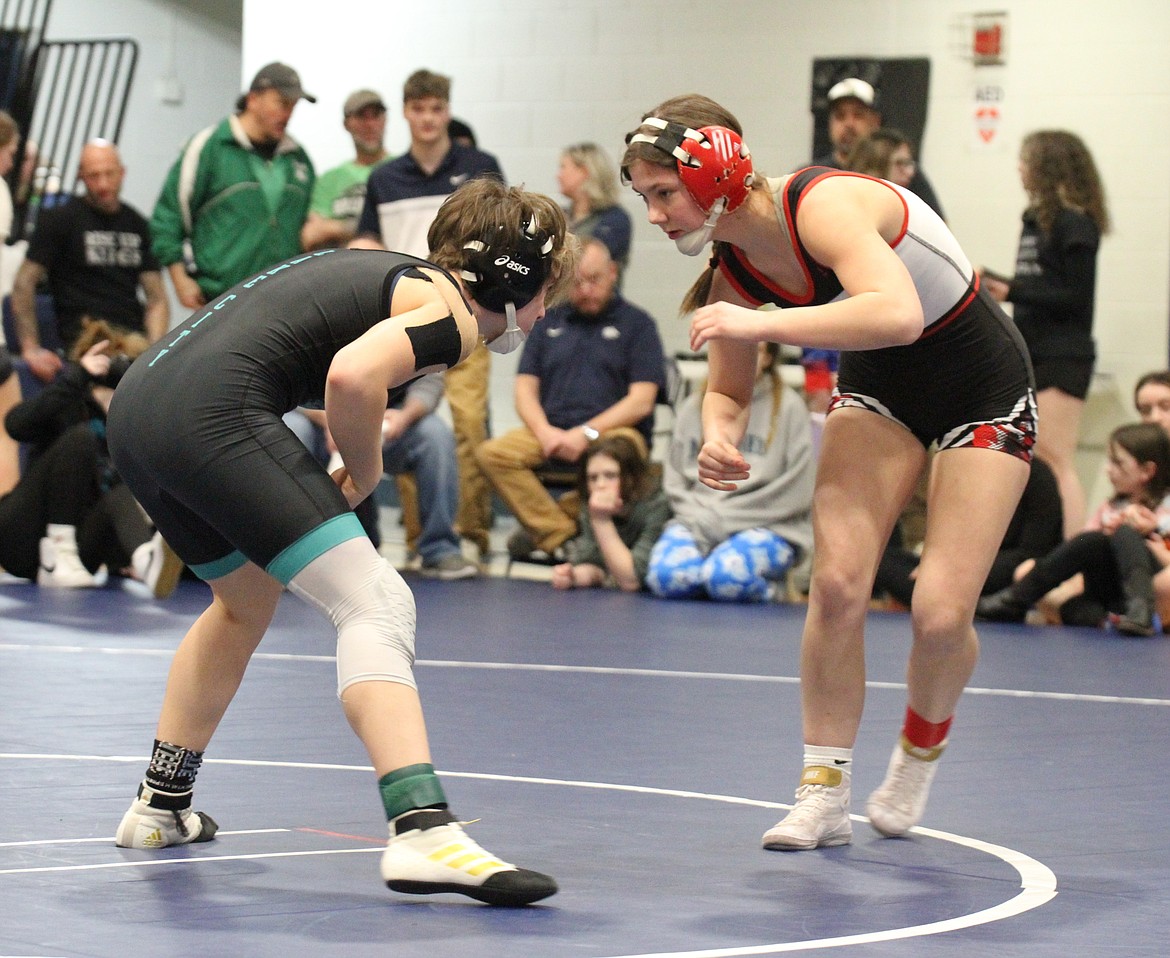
[(700, 291)]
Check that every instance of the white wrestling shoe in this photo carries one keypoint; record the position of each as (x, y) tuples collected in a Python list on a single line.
[(427, 861), (152, 821), (897, 804), (820, 817)]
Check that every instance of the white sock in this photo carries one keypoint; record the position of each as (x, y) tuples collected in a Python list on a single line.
[(840, 759)]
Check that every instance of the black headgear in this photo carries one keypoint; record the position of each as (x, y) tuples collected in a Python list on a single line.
[(497, 275)]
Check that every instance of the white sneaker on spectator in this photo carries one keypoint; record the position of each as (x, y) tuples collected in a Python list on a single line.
[(61, 566), (156, 565)]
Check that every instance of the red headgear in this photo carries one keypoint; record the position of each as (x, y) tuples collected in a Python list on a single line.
[(713, 161)]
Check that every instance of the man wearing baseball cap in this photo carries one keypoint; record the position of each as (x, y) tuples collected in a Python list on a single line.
[(852, 116), (854, 113), (282, 78), (235, 199), (340, 193)]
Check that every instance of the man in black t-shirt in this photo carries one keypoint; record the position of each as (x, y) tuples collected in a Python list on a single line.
[(94, 254)]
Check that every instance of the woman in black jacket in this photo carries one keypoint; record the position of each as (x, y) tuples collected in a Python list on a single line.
[(1052, 295)]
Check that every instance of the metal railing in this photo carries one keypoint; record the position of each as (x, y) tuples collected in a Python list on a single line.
[(81, 91), (22, 29), (62, 94)]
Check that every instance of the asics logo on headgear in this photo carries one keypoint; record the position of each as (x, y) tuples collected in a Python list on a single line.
[(509, 263)]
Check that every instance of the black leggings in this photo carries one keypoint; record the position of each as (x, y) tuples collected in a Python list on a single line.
[(1115, 566), (894, 574), (64, 486)]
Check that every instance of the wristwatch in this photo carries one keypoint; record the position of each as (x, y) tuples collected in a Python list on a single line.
[(590, 433)]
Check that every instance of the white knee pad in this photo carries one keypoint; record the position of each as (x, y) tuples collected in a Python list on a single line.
[(372, 609)]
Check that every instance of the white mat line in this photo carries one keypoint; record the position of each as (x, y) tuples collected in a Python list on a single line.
[(1038, 883), (193, 860), (610, 670), (109, 840)]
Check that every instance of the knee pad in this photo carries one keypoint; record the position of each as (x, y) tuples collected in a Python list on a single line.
[(375, 631), (372, 609)]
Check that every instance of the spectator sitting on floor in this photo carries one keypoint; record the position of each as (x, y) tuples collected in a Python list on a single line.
[(1035, 530), (1151, 398), (1116, 556), (70, 513), (593, 367), (736, 546), (623, 511)]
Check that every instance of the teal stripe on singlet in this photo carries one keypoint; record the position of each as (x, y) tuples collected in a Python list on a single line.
[(308, 547), (220, 567)]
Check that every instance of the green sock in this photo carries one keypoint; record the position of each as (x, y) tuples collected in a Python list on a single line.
[(410, 787)]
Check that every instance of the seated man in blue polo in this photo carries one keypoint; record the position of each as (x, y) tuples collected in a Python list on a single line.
[(593, 366)]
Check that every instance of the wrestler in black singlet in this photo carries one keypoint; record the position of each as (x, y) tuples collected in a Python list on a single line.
[(195, 425), (966, 381)]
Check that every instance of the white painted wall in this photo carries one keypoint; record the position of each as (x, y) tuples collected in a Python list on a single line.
[(534, 75)]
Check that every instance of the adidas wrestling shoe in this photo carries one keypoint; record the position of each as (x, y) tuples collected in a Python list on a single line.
[(158, 820), (441, 858)]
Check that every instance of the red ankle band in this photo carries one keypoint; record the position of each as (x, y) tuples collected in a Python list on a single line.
[(923, 734)]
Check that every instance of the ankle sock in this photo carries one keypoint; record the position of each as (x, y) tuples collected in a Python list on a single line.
[(824, 765), (421, 819)]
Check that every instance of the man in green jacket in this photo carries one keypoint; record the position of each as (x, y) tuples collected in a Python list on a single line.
[(235, 200)]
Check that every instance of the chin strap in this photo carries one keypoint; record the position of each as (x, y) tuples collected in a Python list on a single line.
[(512, 338), (692, 243)]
